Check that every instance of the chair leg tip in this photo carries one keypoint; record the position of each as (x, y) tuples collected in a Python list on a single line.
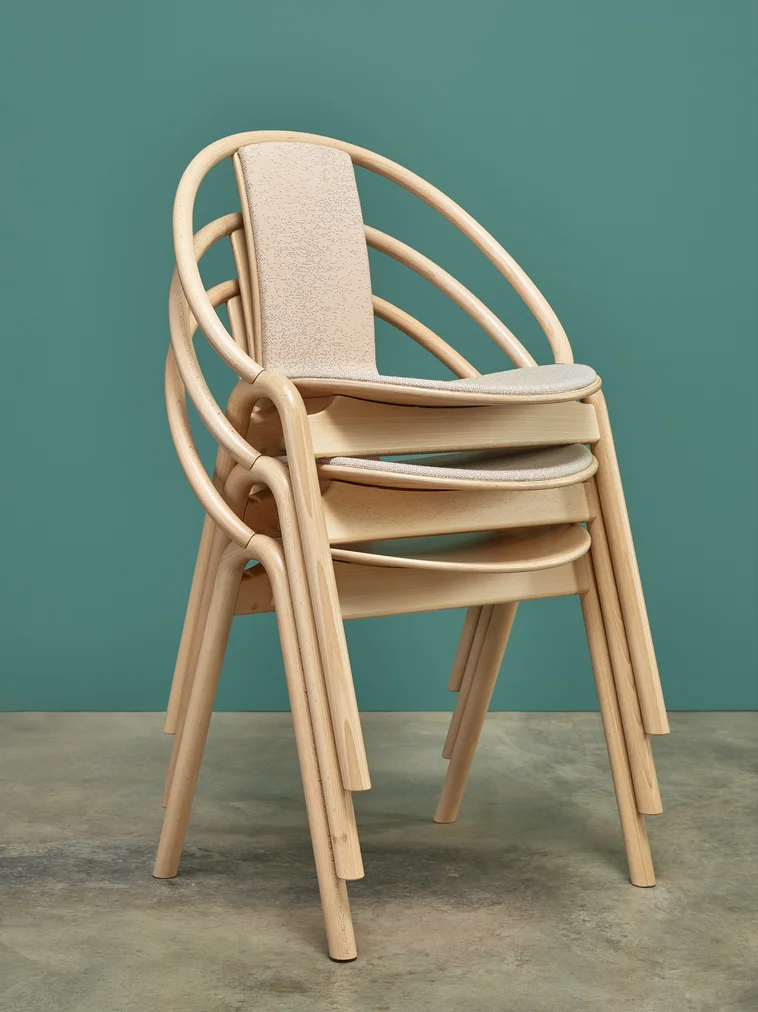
[(343, 959)]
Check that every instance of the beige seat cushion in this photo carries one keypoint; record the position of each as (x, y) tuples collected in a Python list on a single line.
[(518, 465), (530, 381)]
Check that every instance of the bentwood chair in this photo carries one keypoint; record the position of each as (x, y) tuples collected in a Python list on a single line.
[(300, 463)]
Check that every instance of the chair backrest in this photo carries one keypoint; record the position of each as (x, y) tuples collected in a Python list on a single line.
[(343, 219), (309, 269)]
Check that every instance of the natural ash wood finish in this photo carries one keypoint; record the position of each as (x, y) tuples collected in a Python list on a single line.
[(344, 834), (200, 708), (291, 412), (230, 526), (355, 512), (237, 321), (484, 617), (637, 742), (348, 426), (616, 518), (306, 495), (369, 591), (333, 890), (632, 822), (239, 250), (340, 814), (464, 647), (365, 419), (486, 669), (184, 657), (219, 543), (500, 552)]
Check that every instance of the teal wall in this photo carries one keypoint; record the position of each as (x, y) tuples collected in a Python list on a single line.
[(610, 146)]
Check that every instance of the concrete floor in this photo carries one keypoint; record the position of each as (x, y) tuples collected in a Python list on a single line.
[(522, 905)]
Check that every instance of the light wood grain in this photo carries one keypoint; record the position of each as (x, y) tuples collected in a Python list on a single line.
[(475, 710), (347, 426), (465, 642), (306, 494), (344, 834), (242, 266), (521, 551), (632, 822), (637, 742), (359, 511), (334, 899), (192, 626), (368, 591), (627, 574), (484, 617), (202, 695)]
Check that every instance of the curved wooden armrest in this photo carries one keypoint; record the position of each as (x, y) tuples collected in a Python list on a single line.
[(211, 499)]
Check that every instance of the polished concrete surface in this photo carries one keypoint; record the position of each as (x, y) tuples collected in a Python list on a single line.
[(522, 905)]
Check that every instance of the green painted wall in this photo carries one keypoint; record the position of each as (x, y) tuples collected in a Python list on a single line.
[(609, 145)]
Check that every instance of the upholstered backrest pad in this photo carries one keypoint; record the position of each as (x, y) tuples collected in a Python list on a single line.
[(309, 258)]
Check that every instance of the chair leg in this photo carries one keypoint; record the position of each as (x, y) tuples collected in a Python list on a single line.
[(638, 744), (194, 621), (333, 890), (476, 706), (616, 518), (325, 601), (200, 708), (464, 648), (632, 822), (219, 542), (483, 619), (339, 802)]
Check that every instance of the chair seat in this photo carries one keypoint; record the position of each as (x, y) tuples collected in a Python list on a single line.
[(526, 468), (520, 551), (554, 382)]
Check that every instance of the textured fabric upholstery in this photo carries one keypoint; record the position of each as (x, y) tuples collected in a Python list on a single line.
[(310, 273), (310, 257), (534, 380), (517, 465)]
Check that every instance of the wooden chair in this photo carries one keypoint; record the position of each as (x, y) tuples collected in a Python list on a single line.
[(302, 306)]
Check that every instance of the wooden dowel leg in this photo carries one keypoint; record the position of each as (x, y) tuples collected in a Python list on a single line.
[(464, 648), (480, 693), (339, 802), (637, 742), (334, 899), (483, 623), (192, 623), (200, 708), (319, 567), (632, 822), (219, 542), (616, 519)]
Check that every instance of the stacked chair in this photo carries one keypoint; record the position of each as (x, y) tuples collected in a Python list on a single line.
[(508, 490)]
